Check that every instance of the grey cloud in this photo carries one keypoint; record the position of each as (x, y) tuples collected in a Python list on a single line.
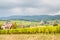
[(50, 6)]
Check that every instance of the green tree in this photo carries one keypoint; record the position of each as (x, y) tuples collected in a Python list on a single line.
[(14, 25)]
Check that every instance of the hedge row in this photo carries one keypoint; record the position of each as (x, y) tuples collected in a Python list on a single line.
[(55, 29)]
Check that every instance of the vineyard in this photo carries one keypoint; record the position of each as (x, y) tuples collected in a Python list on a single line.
[(34, 29), (47, 29)]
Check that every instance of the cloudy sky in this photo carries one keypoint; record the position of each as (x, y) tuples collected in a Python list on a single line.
[(29, 7)]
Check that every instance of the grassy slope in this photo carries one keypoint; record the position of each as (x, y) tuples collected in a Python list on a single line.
[(30, 37), (19, 22)]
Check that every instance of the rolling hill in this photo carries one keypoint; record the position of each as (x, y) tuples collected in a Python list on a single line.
[(32, 18)]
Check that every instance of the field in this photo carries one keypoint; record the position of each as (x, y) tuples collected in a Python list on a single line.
[(35, 32), (20, 22), (30, 37)]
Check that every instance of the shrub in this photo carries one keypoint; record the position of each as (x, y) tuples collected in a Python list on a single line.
[(55, 24)]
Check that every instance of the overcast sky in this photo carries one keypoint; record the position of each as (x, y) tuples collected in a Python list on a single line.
[(29, 7)]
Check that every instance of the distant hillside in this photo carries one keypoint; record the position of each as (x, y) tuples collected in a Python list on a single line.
[(32, 18)]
